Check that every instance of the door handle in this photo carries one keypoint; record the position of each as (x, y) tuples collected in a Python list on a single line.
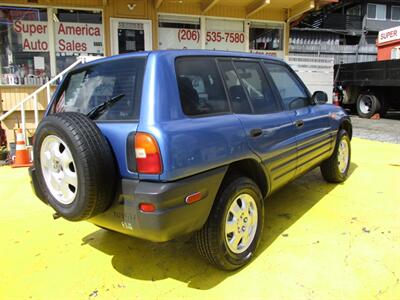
[(255, 132), (299, 123)]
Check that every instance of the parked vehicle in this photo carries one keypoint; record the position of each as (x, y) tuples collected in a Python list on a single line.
[(372, 87), (161, 144)]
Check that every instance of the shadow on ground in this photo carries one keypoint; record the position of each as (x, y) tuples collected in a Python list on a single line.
[(394, 115), (179, 260), (390, 115)]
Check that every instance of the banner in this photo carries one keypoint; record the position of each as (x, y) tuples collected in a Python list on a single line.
[(70, 37), (79, 38), (178, 38), (186, 38), (276, 53), (389, 35), (34, 35), (225, 40)]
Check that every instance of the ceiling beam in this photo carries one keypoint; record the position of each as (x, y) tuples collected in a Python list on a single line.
[(209, 5), (321, 3), (255, 6), (158, 3), (300, 8)]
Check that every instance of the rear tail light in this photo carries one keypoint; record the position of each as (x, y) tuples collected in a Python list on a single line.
[(147, 153)]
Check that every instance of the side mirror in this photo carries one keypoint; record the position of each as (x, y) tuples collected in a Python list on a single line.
[(319, 97)]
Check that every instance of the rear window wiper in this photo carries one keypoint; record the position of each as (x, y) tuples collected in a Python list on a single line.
[(98, 110)]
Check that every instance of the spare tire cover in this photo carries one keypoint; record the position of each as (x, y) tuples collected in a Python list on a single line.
[(75, 165)]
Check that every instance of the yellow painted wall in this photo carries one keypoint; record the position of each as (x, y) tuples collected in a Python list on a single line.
[(12, 95), (11, 123)]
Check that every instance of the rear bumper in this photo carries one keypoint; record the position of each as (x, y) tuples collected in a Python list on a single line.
[(172, 218)]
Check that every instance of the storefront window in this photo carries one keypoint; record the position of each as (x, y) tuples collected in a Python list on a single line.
[(266, 37), (77, 32), (225, 35), (24, 46), (178, 32)]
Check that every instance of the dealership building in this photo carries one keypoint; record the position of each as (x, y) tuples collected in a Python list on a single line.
[(40, 38)]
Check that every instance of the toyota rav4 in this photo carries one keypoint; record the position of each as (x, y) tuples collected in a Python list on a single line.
[(161, 144)]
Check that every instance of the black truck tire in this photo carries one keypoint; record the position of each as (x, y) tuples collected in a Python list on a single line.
[(75, 166), (368, 105), (212, 240)]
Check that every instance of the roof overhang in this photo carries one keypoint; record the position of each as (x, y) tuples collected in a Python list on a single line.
[(276, 10)]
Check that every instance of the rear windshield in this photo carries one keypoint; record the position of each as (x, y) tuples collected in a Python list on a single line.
[(86, 88)]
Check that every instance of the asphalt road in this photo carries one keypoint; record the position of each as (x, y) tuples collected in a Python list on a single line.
[(383, 130)]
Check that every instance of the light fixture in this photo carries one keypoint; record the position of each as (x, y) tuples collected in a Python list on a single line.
[(131, 6)]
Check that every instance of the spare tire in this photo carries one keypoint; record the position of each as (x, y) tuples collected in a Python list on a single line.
[(75, 166)]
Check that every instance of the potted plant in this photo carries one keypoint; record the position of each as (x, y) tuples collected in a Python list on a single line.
[(3, 153)]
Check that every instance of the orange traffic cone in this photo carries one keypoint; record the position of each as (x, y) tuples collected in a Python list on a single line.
[(21, 153)]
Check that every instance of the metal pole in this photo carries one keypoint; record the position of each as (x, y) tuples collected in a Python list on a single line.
[(35, 110), (23, 121)]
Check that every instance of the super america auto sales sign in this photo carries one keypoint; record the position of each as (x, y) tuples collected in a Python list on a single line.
[(69, 37)]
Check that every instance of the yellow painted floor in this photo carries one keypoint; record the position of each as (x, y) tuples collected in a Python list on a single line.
[(321, 241)]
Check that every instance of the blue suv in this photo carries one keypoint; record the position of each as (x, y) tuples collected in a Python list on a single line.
[(161, 144)]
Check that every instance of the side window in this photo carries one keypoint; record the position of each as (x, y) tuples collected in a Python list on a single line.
[(240, 103), (292, 92), (256, 87), (200, 86)]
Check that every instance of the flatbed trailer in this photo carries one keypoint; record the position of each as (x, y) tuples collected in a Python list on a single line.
[(372, 87)]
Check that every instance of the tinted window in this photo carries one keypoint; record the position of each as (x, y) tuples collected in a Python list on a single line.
[(292, 92), (94, 85), (396, 13), (255, 84), (237, 94), (200, 86)]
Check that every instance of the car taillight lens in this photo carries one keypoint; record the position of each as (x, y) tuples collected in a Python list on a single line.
[(147, 207), (148, 157)]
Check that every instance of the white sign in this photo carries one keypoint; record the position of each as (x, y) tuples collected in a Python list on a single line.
[(388, 35), (79, 38), (225, 40), (276, 53), (178, 38), (186, 38), (34, 35), (38, 62), (70, 37)]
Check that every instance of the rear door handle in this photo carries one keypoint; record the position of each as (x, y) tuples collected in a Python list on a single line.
[(255, 132), (299, 123)]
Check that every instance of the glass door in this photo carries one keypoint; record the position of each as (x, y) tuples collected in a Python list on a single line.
[(129, 35)]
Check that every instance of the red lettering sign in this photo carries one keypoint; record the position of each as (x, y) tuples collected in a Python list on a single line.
[(30, 28)]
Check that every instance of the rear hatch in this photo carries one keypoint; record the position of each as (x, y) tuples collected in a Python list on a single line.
[(109, 92)]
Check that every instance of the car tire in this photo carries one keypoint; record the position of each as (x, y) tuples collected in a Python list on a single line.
[(336, 168), (237, 215), (76, 170), (368, 105)]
